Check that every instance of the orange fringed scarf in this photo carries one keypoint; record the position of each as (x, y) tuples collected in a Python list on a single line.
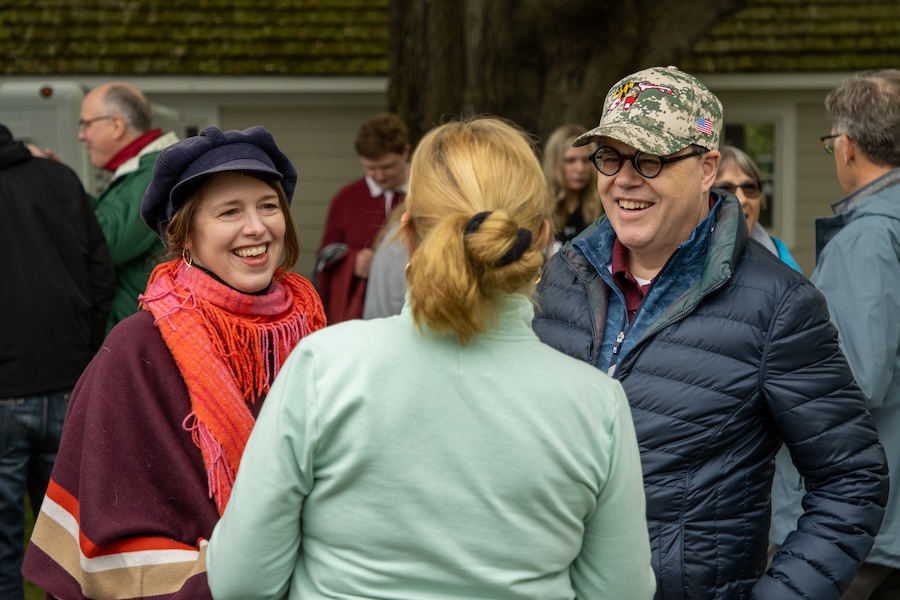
[(228, 346)]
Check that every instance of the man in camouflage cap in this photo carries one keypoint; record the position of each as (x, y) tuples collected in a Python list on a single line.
[(724, 352)]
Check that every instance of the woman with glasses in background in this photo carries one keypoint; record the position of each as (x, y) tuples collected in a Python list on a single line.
[(739, 175)]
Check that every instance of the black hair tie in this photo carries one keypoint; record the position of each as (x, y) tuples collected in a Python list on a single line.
[(523, 242), (475, 222), (523, 239)]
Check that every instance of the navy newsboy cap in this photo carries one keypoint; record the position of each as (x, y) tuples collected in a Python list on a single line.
[(184, 166)]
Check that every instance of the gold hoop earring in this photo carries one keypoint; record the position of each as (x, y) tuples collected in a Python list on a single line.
[(187, 258)]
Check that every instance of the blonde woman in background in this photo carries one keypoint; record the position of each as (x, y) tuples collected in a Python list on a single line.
[(444, 452), (572, 180)]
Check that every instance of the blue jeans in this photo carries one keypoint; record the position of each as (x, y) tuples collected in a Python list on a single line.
[(30, 429)]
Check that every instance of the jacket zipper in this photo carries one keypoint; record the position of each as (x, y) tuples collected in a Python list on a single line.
[(676, 319)]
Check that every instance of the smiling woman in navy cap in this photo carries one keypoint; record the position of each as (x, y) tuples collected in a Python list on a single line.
[(159, 419)]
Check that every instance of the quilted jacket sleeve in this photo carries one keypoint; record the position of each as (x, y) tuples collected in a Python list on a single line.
[(822, 417)]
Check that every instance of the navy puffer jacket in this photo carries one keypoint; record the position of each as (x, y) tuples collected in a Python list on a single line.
[(744, 359)]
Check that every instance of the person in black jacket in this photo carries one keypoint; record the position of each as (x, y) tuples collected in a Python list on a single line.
[(58, 285), (725, 354)]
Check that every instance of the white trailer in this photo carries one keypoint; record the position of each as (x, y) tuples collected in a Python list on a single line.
[(46, 115)]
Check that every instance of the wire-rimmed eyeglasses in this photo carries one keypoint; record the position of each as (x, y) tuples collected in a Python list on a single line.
[(85, 123), (828, 142), (609, 161)]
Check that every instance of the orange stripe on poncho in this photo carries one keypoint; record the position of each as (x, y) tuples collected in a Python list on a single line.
[(228, 346)]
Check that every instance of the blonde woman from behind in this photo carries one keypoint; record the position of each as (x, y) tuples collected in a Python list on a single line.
[(444, 452)]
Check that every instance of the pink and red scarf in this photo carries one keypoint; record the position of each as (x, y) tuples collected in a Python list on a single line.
[(228, 346)]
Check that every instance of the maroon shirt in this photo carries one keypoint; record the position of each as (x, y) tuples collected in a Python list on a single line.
[(633, 291), (354, 218)]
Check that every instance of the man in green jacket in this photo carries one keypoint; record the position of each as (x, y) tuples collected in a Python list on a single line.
[(115, 128)]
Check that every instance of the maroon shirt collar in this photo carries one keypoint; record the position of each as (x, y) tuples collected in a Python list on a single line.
[(634, 292)]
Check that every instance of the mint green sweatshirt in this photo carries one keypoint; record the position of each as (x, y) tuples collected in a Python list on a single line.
[(390, 462)]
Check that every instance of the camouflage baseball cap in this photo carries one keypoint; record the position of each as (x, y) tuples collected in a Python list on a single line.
[(659, 111)]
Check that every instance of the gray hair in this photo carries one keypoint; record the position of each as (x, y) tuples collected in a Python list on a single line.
[(131, 105), (732, 155), (866, 108)]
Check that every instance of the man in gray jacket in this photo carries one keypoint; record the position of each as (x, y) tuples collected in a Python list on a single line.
[(858, 271), (724, 352)]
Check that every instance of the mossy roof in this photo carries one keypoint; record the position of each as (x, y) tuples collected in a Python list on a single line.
[(195, 37), (350, 37), (801, 36)]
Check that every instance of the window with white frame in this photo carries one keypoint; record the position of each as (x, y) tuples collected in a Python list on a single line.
[(758, 141)]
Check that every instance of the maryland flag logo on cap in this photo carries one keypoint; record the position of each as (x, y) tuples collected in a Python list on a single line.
[(623, 91), (659, 111)]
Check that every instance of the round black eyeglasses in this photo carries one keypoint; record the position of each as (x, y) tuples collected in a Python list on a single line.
[(609, 161)]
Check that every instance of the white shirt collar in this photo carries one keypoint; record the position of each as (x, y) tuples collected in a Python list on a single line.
[(376, 190)]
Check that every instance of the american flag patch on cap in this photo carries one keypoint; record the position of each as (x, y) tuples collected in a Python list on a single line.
[(704, 125)]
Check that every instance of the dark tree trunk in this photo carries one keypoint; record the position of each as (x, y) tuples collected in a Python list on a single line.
[(539, 63)]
